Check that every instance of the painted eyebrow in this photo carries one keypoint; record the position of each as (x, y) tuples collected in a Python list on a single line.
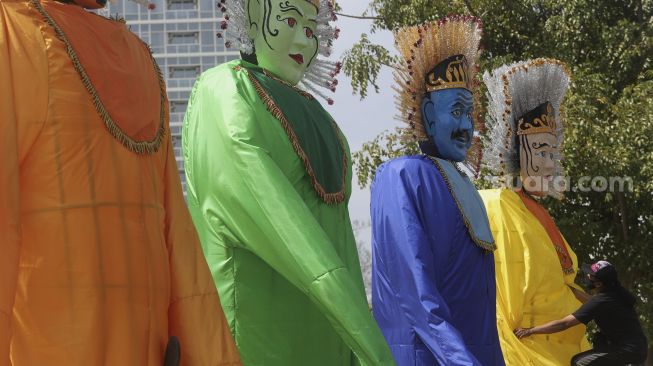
[(539, 146), (462, 98), (291, 8), (461, 103)]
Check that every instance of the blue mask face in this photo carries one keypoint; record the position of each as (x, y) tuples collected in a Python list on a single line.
[(447, 116)]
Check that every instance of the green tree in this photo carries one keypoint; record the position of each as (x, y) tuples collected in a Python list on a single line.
[(609, 111)]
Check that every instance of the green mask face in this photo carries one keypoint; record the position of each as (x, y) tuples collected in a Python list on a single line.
[(284, 36)]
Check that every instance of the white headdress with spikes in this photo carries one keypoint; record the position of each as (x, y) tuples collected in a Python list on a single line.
[(320, 74), (512, 91)]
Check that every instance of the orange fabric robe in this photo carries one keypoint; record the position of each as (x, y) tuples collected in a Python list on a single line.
[(100, 261)]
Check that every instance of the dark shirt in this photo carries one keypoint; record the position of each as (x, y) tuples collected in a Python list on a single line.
[(617, 321)]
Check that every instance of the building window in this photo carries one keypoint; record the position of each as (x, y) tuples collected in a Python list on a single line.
[(182, 4), (175, 38), (178, 106), (184, 72)]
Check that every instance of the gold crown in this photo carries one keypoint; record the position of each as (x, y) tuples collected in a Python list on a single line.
[(538, 120), (450, 73)]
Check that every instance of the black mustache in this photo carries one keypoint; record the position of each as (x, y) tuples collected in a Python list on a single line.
[(460, 133)]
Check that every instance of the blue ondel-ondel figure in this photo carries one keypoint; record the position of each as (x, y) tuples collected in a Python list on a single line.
[(433, 285)]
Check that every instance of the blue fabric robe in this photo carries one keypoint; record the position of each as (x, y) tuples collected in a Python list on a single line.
[(433, 288)]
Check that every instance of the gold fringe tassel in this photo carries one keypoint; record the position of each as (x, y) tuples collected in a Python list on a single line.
[(490, 247), (138, 147), (328, 198)]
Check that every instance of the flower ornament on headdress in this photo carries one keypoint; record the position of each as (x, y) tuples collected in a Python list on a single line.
[(523, 98), (438, 55), (321, 73)]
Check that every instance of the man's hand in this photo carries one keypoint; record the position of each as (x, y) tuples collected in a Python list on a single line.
[(522, 332), (548, 328)]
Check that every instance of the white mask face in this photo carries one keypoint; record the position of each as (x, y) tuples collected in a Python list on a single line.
[(537, 152)]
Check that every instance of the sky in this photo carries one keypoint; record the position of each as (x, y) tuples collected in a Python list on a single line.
[(361, 120)]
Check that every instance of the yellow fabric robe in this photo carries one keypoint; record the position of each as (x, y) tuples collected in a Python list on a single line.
[(100, 261), (531, 286)]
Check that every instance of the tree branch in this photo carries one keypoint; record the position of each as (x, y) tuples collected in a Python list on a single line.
[(623, 213), (471, 10), (389, 65), (357, 16)]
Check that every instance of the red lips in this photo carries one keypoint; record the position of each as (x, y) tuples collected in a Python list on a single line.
[(298, 58)]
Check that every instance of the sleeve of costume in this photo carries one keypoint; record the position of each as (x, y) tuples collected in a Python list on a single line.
[(515, 273), (514, 265), (195, 314), (23, 88), (398, 218), (9, 194), (235, 174)]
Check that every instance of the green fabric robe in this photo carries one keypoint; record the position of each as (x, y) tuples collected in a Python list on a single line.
[(283, 259)]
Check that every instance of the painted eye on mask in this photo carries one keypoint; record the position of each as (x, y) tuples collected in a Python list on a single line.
[(542, 154), (457, 113), (309, 32), (291, 22)]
